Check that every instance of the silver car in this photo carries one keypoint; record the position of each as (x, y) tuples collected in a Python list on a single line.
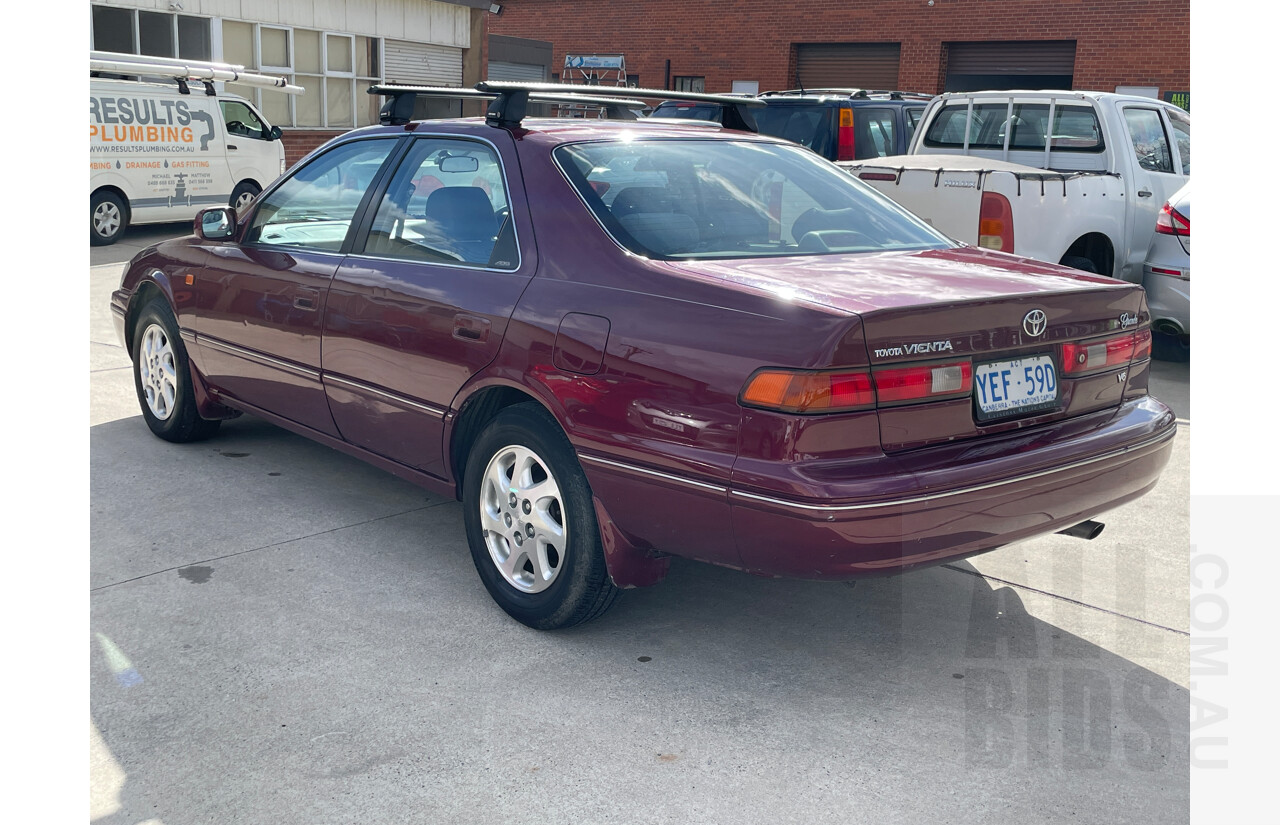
[(1166, 275)]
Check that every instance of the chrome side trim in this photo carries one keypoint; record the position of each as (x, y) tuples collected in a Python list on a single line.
[(390, 396), (250, 355), (188, 335), (840, 508), (643, 471)]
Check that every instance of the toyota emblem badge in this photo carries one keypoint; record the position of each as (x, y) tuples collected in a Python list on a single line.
[(1034, 323)]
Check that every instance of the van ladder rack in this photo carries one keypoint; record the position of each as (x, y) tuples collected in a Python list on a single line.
[(183, 70), (505, 110), (737, 110)]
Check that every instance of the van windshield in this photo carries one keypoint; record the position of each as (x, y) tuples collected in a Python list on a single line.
[(684, 199)]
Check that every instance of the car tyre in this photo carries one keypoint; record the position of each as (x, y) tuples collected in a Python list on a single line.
[(243, 195), (1175, 348), (162, 378), (108, 218), (1077, 262), (531, 523)]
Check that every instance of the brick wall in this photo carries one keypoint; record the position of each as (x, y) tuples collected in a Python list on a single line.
[(299, 142), (1118, 42)]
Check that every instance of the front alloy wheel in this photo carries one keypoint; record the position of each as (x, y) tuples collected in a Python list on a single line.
[(157, 372)]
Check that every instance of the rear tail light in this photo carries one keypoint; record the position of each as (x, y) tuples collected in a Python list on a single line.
[(878, 176), (809, 392), (844, 144), (995, 223), (924, 382), (1111, 352), (1171, 222)]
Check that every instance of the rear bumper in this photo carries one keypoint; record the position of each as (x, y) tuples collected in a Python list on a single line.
[(907, 511), (1168, 299)]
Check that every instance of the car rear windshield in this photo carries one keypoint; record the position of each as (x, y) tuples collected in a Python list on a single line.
[(687, 199), (692, 111), (1075, 128)]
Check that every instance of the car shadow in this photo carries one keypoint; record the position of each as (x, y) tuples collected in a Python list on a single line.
[(277, 627)]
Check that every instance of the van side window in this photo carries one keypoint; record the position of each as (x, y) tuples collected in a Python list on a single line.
[(314, 208), (1182, 137), (447, 203), (241, 120)]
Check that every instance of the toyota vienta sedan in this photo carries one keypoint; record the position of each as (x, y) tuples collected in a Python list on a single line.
[(617, 342)]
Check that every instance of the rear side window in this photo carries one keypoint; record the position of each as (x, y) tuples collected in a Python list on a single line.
[(1182, 137), (1150, 144), (911, 117), (873, 133), (1075, 128)]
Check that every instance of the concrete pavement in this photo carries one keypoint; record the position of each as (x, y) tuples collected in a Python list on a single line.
[(283, 634)]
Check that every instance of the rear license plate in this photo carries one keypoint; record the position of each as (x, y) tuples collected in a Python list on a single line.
[(1017, 387)]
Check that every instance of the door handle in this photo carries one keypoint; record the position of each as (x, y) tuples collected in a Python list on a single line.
[(232, 146), (470, 327), (1142, 193)]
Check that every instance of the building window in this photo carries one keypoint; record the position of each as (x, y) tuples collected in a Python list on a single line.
[(134, 31), (335, 70), (686, 83), (633, 80)]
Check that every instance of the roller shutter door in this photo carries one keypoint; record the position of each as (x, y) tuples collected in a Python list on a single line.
[(421, 63), (855, 65), (517, 71), (1027, 64)]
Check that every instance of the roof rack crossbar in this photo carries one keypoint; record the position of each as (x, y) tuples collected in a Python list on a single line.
[(502, 111), (184, 70), (737, 110)]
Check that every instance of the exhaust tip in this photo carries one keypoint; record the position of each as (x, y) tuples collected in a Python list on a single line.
[(1087, 530)]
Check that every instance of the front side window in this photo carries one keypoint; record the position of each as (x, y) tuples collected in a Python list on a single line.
[(314, 208), (447, 203), (697, 199), (1150, 144), (241, 120)]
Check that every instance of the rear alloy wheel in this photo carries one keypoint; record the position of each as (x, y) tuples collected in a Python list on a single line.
[(243, 195), (162, 377), (531, 524), (107, 219)]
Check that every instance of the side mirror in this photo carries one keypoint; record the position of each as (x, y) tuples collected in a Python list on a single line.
[(275, 133), (216, 224)]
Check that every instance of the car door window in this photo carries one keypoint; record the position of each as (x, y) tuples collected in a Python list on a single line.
[(447, 203), (1150, 144), (911, 116), (873, 133), (1181, 125), (242, 121), (313, 209)]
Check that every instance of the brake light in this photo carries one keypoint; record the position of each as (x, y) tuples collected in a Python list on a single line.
[(995, 223), (844, 142), (809, 392), (1141, 344), (1172, 222), (878, 176), (924, 382), (1112, 352)]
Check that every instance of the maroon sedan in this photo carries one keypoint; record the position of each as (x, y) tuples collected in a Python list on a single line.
[(617, 342)]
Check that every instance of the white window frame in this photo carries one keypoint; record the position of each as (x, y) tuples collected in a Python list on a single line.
[(290, 72), (136, 28)]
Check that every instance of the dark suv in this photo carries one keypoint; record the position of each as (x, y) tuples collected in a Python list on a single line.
[(839, 124)]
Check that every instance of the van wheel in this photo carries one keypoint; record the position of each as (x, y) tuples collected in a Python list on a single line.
[(107, 218), (244, 193), (1077, 262)]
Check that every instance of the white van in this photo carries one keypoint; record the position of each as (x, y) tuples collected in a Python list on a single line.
[(159, 153)]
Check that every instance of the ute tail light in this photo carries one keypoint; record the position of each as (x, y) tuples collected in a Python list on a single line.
[(923, 382), (1172, 222), (794, 391), (1079, 358), (844, 143), (995, 223)]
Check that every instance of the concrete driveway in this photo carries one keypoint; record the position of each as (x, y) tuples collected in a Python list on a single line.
[(281, 634)]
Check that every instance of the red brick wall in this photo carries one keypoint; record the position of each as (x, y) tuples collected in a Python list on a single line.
[(1118, 42), (299, 142)]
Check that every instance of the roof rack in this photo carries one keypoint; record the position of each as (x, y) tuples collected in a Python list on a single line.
[(737, 110), (183, 70), (843, 92), (399, 109)]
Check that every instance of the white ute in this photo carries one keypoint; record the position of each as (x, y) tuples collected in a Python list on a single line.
[(162, 151), (985, 168)]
